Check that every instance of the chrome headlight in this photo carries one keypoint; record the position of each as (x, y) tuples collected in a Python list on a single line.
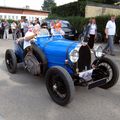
[(99, 52), (74, 56)]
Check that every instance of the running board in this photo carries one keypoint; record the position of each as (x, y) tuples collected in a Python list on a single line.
[(96, 83)]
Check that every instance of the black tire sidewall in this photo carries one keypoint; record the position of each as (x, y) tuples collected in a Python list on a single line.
[(14, 60), (67, 81), (115, 71)]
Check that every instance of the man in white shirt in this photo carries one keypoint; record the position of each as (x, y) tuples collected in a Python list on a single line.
[(110, 32)]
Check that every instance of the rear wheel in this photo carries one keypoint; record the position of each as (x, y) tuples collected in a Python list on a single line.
[(59, 85), (11, 61)]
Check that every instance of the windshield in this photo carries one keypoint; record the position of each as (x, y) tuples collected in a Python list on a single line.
[(64, 24)]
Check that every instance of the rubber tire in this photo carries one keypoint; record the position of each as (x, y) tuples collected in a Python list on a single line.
[(42, 58), (14, 60), (115, 70), (67, 80)]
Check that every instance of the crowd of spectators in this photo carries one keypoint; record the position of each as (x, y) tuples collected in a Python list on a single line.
[(17, 28)]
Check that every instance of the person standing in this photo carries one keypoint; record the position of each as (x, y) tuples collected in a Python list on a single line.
[(0, 29), (6, 29), (25, 26), (86, 30), (22, 27), (18, 29), (110, 32), (36, 24), (92, 33), (13, 27)]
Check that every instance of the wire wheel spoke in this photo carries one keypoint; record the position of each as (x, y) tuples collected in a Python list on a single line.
[(58, 87), (109, 70)]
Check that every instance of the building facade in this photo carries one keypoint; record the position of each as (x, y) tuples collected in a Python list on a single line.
[(18, 13), (94, 9)]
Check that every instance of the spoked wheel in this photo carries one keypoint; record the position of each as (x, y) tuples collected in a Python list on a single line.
[(11, 61), (110, 70), (59, 85)]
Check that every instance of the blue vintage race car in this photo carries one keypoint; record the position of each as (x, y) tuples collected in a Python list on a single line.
[(64, 64)]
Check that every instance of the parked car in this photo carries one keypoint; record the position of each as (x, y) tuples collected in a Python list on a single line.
[(70, 31), (64, 64)]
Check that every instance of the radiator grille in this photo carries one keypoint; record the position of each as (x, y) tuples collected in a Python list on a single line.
[(84, 62)]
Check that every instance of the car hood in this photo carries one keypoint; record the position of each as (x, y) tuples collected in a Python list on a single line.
[(56, 45)]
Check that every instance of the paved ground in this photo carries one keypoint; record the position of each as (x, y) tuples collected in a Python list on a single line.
[(24, 97)]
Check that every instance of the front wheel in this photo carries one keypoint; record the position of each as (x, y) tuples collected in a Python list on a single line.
[(110, 69), (59, 85)]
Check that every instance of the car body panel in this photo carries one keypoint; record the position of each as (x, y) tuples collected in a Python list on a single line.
[(56, 49)]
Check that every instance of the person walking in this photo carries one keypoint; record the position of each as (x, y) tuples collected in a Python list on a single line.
[(110, 32), (92, 33), (6, 29)]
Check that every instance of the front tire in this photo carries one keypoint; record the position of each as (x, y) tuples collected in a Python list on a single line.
[(60, 85), (111, 69), (11, 61)]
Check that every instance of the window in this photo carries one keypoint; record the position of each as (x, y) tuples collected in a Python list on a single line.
[(29, 18), (12, 17), (0, 16), (5, 16), (16, 17), (9, 17)]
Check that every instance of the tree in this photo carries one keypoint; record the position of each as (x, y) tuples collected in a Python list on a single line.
[(102, 1), (48, 4)]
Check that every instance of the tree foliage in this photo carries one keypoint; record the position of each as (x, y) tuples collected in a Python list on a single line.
[(103, 1), (48, 4), (66, 10)]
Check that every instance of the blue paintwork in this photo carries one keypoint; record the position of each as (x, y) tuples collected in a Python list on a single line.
[(55, 49)]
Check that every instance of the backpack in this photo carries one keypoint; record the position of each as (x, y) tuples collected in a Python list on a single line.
[(32, 64)]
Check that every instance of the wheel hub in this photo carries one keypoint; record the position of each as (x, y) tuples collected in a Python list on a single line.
[(8, 62), (54, 87)]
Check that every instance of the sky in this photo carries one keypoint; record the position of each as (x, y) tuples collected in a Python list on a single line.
[(34, 4)]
